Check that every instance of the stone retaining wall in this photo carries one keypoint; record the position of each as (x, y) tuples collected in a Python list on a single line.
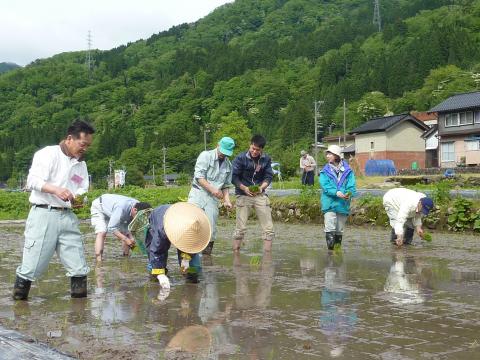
[(439, 171)]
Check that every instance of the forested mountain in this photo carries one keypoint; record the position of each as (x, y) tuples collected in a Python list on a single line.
[(252, 66), (7, 66)]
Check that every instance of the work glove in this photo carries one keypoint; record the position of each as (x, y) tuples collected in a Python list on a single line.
[(184, 265), (163, 281), (163, 294)]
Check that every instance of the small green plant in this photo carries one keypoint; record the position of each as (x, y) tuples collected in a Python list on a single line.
[(337, 249), (427, 237), (255, 189), (441, 192), (374, 211), (462, 217), (255, 260), (308, 194)]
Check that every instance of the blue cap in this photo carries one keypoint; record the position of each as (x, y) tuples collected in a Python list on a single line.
[(427, 205), (226, 145)]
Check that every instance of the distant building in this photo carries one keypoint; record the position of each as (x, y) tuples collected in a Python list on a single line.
[(348, 147), (169, 179), (431, 147), (459, 130), (396, 137), (430, 136)]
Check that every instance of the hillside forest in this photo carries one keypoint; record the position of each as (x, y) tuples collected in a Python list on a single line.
[(251, 66)]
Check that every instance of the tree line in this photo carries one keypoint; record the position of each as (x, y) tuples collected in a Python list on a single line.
[(248, 67)]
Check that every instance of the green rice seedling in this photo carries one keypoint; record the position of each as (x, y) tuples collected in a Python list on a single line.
[(427, 237)]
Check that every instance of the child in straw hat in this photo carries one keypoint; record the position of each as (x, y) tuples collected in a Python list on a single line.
[(186, 227)]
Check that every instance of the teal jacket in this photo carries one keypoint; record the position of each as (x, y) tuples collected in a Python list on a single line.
[(330, 185)]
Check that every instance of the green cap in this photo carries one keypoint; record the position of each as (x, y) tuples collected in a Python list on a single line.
[(226, 145)]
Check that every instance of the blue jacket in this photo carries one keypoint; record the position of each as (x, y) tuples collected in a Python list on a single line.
[(248, 172), (330, 185), (156, 241)]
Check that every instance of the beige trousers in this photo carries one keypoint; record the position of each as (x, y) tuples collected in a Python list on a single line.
[(261, 204)]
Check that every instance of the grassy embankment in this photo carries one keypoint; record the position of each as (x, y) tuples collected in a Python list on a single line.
[(455, 214)]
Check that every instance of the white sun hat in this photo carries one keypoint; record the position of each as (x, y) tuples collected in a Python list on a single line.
[(187, 227), (335, 149)]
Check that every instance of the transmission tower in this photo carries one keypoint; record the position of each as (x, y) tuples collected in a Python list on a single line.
[(377, 20), (88, 57)]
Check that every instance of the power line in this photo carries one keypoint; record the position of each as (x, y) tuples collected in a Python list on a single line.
[(88, 56)]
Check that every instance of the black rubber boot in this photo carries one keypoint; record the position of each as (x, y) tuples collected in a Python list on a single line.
[(393, 237), (408, 235), (330, 238), (21, 288), (192, 278), (338, 239), (78, 286), (208, 249)]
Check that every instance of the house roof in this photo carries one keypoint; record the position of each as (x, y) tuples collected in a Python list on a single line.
[(458, 102), (430, 132), (385, 123), (424, 115), (349, 149), (334, 138)]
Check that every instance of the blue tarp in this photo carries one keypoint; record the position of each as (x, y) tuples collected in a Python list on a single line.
[(380, 168)]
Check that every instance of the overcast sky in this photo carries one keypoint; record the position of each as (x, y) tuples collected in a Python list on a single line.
[(33, 29)]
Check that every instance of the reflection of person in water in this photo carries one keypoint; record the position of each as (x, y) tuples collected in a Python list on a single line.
[(403, 281), (253, 333), (201, 334), (112, 306), (261, 299), (209, 312), (338, 317)]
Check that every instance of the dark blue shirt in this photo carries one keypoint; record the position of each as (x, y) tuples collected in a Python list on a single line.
[(251, 171), (156, 241)]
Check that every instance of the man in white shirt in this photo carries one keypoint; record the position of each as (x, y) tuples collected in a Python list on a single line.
[(112, 213), (405, 209), (307, 165), (57, 176)]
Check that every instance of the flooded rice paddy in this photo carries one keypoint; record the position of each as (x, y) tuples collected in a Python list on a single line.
[(369, 301)]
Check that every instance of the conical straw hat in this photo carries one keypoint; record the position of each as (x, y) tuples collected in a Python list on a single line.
[(194, 339), (187, 227)]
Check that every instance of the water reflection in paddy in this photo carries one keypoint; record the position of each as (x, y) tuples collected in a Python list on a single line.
[(369, 301)]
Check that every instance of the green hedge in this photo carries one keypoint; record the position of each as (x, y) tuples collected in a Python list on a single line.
[(15, 205)]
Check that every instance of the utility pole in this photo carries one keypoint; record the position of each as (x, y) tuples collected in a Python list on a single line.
[(164, 149), (205, 130), (153, 174), (110, 165), (317, 117), (110, 182), (377, 20)]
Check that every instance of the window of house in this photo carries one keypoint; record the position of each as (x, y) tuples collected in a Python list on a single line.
[(451, 119), (477, 117), (472, 145), (372, 145), (448, 152), (466, 118)]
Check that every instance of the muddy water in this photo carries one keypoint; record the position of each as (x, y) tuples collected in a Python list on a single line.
[(368, 301)]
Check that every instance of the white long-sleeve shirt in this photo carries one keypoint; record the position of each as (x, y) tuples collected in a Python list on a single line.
[(307, 163), (51, 165), (401, 205)]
